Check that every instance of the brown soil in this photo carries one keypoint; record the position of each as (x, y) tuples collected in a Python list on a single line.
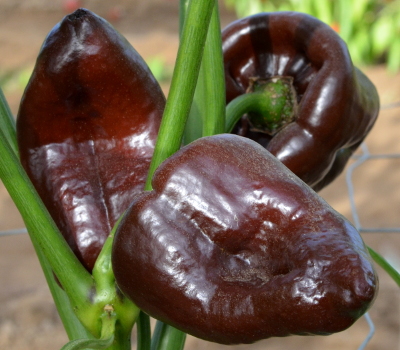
[(28, 319)]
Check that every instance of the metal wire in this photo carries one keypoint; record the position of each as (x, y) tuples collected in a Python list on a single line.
[(360, 159), (371, 332), (13, 232)]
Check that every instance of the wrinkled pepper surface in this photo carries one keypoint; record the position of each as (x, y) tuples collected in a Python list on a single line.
[(337, 104), (232, 247), (87, 127)]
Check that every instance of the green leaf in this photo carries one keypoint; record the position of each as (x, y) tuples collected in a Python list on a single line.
[(382, 262)]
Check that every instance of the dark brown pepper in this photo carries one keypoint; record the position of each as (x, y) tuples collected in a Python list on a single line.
[(338, 105), (232, 247), (86, 128)]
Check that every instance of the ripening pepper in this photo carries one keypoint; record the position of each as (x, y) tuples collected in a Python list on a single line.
[(232, 247), (87, 127), (334, 106)]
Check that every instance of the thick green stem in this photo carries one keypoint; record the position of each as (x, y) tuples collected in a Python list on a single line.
[(50, 245), (43, 232), (72, 325), (82, 296), (183, 82)]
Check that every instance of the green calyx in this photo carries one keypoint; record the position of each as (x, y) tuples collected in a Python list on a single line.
[(280, 104)]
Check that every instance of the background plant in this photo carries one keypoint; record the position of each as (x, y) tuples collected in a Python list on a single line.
[(371, 28)]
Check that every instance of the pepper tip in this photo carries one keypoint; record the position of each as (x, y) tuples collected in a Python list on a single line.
[(78, 14)]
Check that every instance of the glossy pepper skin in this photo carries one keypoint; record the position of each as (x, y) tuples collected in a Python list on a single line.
[(232, 247), (338, 105), (87, 127)]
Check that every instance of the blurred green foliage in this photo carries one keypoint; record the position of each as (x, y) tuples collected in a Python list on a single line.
[(15, 79), (160, 69), (371, 28)]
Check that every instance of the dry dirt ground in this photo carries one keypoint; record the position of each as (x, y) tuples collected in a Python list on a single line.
[(28, 319)]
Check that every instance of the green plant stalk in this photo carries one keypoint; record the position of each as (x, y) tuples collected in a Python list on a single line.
[(72, 325), (45, 235), (207, 115), (194, 23), (167, 338), (214, 79), (46, 238), (81, 297), (183, 7), (143, 332), (194, 123), (183, 83), (382, 262), (7, 123)]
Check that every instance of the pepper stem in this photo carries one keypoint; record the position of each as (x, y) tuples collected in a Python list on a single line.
[(270, 105)]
